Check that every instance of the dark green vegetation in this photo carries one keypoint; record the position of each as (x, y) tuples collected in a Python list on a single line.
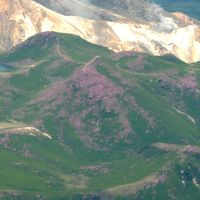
[(78, 121), (191, 7)]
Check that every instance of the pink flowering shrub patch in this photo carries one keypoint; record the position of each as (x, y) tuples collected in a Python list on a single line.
[(138, 64), (185, 82), (159, 179), (4, 140), (93, 104), (188, 82)]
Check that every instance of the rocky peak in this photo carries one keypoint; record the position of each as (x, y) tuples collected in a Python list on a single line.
[(119, 25)]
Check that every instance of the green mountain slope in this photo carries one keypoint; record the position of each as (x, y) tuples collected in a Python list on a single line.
[(78, 121)]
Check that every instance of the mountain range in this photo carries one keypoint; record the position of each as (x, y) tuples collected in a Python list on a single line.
[(119, 25), (81, 121), (96, 124)]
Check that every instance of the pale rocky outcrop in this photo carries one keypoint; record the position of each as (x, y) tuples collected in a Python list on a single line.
[(175, 33)]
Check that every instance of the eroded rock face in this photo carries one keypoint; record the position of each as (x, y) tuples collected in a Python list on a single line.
[(175, 34)]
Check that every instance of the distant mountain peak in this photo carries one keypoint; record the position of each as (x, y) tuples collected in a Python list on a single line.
[(119, 25)]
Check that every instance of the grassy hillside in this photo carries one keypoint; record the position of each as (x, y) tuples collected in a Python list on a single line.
[(78, 121)]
